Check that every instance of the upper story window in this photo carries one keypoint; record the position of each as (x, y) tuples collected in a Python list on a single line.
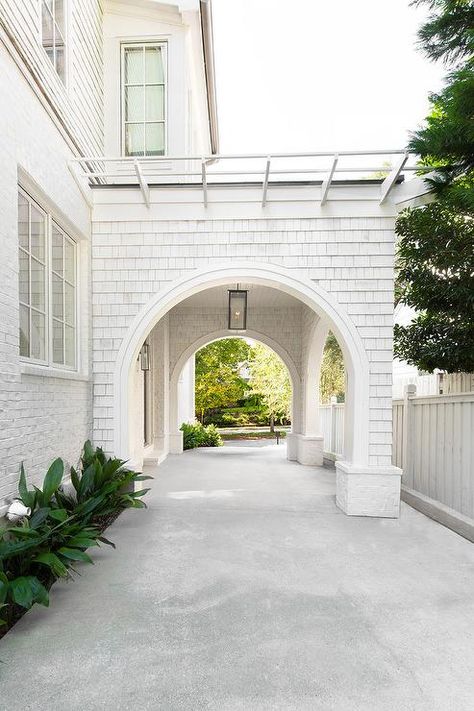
[(144, 99), (53, 33), (47, 287)]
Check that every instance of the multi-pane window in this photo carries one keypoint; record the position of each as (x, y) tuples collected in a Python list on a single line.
[(63, 268), (53, 33), (47, 287), (144, 99), (33, 297)]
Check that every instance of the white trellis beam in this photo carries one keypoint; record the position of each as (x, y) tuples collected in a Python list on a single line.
[(265, 182), (144, 187), (391, 178), (327, 183)]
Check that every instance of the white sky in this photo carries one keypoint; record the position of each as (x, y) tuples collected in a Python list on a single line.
[(309, 75)]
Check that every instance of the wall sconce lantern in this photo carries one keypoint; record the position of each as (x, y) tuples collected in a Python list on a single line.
[(145, 357), (237, 309)]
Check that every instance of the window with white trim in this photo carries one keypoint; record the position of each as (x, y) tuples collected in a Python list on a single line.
[(53, 33), (47, 287), (144, 99)]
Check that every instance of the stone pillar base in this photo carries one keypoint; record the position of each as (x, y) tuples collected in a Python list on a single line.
[(175, 442), (291, 446), (368, 491), (310, 450), (305, 449)]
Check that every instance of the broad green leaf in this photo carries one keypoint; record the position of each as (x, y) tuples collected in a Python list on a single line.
[(21, 592), (89, 505), (75, 479), (22, 532), (112, 467), (86, 484), (88, 450), (141, 492), (58, 514), (39, 516), (28, 498), (82, 542), (22, 488), (53, 562), (75, 554), (3, 587), (52, 479), (10, 549), (142, 477), (40, 594)]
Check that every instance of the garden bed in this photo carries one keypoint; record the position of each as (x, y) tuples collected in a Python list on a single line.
[(50, 529), (255, 435)]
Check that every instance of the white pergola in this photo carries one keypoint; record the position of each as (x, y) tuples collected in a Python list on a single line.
[(321, 169)]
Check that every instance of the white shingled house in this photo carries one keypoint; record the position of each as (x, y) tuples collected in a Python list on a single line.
[(128, 242)]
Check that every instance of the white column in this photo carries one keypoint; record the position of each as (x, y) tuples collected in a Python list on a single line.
[(186, 408), (307, 445)]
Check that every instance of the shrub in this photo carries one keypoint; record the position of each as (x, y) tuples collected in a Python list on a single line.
[(46, 545), (196, 435)]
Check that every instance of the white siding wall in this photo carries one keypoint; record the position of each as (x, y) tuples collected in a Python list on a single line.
[(134, 258), (79, 104)]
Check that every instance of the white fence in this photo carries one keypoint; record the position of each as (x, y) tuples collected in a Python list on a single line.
[(332, 424), (434, 384), (433, 442)]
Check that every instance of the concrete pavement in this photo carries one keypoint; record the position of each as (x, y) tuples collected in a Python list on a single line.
[(243, 587)]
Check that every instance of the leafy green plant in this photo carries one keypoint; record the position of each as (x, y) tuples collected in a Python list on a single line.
[(196, 435), (48, 543), (106, 482)]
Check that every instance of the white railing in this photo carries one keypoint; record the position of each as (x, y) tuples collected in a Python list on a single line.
[(326, 167), (332, 425)]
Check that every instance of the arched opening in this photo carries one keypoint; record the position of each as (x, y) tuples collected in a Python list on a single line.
[(181, 334), (239, 381)]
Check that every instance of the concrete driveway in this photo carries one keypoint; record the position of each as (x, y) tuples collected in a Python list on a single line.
[(243, 587)]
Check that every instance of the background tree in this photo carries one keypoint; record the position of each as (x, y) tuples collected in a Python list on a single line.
[(270, 379), (217, 374), (332, 378), (435, 254)]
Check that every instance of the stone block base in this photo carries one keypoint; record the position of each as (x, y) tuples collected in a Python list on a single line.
[(305, 449), (368, 491), (291, 446), (176, 442)]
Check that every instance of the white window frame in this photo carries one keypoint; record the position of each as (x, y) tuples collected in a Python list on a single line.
[(163, 45), (45, 263), (48, 362), (65, 38)]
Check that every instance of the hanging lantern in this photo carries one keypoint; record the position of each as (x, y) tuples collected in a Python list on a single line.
[(145, 357), (237, 310)]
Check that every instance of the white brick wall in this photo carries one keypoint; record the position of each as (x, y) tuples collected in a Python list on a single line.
[(40, 417)]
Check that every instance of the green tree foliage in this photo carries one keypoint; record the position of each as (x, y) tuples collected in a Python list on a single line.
[(270, 380), (446, 142), (436, 277), (332, 378), (448, 32), (435, 256), (217, 378)]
